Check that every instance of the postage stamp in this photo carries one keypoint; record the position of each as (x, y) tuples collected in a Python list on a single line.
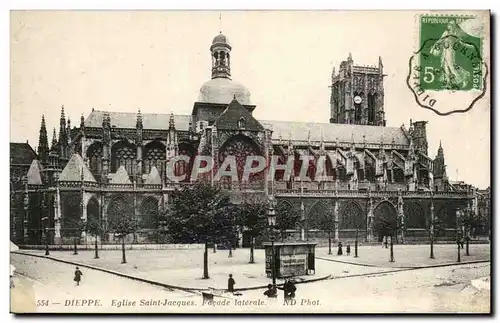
[(449, 59)]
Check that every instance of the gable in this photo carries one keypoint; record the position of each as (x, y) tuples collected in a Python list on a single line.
[(73, 171), (21, 153), (234, 112)]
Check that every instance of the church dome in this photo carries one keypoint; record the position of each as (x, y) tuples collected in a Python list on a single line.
[(223, 91), (221, 39)]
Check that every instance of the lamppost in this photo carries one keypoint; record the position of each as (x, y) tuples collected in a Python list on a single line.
[(26, 205), (45, 221), (271, 218), (458, 241), (356, 244)]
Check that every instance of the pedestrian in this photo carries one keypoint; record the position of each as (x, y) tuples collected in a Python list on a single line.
[(271, 291), (291, 289), (285, 288), (348, 250), (78, 276), (230, 284), (12, 269), (339, 251), (386, 242)]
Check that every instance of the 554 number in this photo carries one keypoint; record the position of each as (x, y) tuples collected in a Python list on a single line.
[(42, 302)]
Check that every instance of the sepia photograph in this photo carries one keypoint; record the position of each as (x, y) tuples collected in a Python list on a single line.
[(250, 162)]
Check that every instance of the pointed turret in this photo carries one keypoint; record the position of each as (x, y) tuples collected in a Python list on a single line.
[(54, 139), (380, 65), (63, 137), (439, 163), (171, 122), (139, 120), (68, 130), (43, 143)]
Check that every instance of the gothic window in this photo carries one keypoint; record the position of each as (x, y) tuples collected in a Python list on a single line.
[(399, 176), (370, 170), (319, 218), (415, 217), (360, 172), (352, 217), (342, 173), (93, 209), (118, 208), (357, 113), (149, 213), (240, 147), (94, 154), (182, 167), (154, 154), (123, 154), (242, 123), (371, 107)]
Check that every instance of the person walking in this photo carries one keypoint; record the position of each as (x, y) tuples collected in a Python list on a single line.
[(339, 251), (348, 250), (271, 291), (230, 284), (291, 289), (78, 276)]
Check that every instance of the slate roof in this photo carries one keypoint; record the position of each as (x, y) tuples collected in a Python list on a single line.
[(232, 114), (120, 177), (35, 173), (72, 171), (153, 177), (333, 131), (21, 153), (299, 131), (129, 120)]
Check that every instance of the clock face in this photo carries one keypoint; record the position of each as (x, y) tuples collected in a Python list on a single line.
[(358, 99)]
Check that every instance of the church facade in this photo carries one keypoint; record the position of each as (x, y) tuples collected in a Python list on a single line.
[(114, 163)]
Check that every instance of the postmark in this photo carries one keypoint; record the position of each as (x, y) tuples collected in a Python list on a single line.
[(448, 73)]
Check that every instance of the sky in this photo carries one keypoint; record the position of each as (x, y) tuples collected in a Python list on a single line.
[(156, 61)]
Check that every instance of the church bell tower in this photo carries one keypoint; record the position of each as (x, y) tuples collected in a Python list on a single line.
[(357, 94)]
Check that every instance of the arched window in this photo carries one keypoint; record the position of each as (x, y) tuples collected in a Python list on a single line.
[(242, 123), (154, 154), (371, 107), (123, 154), (94, 154)]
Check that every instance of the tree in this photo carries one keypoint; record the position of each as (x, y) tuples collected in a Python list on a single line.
[(125, 226), (325, 223), (469, 221), (200, 213), (252, 216), (387, 225), (93, 227), (287, 218)]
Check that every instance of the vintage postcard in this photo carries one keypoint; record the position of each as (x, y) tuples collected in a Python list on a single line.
[(250, 162)]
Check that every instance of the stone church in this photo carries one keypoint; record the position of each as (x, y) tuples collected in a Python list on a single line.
[(113, 163)]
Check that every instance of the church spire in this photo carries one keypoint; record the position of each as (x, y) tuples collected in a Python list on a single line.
[(439, 163), (54, 139), (43, 143)]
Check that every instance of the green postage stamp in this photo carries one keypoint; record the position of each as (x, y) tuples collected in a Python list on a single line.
[(449, 60)]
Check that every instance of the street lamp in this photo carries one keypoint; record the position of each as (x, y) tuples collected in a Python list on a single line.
[(356, 244), (271, 218), (45, 221)]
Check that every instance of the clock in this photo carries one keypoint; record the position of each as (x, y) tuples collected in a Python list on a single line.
[(358, 99)]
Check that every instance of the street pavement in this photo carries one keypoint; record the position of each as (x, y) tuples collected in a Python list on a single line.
[(409, 255), (354, 288)]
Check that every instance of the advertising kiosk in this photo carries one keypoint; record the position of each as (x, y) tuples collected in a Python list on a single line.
[(291, 258)]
